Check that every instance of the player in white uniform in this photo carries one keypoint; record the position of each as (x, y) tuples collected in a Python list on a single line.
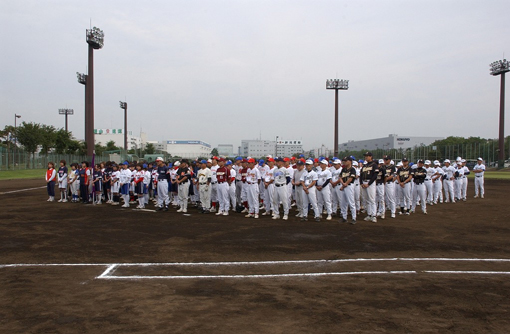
[(437, 181), (459, 175), (232, 185), (253, 180), (324, 189), (463, 189), (238, 182), (125, 182), (357, 189), (429, 185), (448, 182), (479, 171), (346, 189), (308, 181), (298, 187), (290, 170), (268, 185), (214, 183), (281, 178), (115, 182), (262, 167), (336, 171), (204, 186)]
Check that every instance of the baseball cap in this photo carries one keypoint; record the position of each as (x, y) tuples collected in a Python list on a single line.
[(347, 158), (300, 162), (293, 158), (239, 158), (159, 159), (209, 160), (309, 162), (144, 166), (381, 161), (479, 159), (463, 160), (269, 156), (368, 154), (355, 163), (399, 164), (214, 158), (286, 159), (316, 160), (278, 159), (229, 163), (386, 157), (420, 161), (427, 162), (324, 161), (270, 160), (203, 161), (437, 163), (405, 159), (447, 161), (337, 161), (251, 161), (177, 163), (245, 160), (261, 162)]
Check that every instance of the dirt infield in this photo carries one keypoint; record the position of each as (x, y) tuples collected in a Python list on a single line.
[(385, 286)]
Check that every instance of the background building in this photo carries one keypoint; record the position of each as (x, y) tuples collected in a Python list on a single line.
[(103, 136), (393, 141), (190, 149), (287, 148), (258, 148), (226, 150)]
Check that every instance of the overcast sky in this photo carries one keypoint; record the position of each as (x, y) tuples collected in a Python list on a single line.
[(223, 71)]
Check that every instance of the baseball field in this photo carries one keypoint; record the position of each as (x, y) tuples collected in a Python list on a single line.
[(74, 268)]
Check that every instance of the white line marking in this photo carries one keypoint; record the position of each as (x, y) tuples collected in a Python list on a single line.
[(467, 272), (107, 271), (146, 210), (17, 191), (261, 276), (54, 265)]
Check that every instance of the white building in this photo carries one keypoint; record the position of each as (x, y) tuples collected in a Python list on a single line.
[(287, 148), (226, 150), (190, 149), (103, 136), (393, 141), (258, 148)]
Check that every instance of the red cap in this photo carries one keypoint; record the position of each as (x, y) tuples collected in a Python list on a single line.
[(220, 159), (244, 160), (293, 158), (215, 158), (286, 159), (251, 161), (316, 160), (270, 159), (302, 159)]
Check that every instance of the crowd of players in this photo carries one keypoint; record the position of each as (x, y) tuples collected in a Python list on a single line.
[(325, 187)]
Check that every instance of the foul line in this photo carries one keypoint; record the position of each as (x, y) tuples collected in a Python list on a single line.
[(17, 191)]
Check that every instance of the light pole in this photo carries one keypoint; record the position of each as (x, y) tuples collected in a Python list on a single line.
[(336, 84), (123, 105), (16, 116), (95, 40), (276, 147), (66, 112), (500, 68)]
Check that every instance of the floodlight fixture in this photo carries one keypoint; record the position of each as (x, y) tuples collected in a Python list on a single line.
[(82, 78), (95, 38), (66, 112), (499, 67), (337, 84)]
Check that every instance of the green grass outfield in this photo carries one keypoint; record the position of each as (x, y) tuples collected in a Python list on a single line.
[(40, 174)]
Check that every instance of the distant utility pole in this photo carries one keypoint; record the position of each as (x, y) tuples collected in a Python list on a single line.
[(336, 84), (66, 112), (123, 105), (500, 68)]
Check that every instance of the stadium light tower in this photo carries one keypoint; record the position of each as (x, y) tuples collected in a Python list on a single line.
[(337, 85), (123, 105), (66, 112), (500, 68), (95, 40)]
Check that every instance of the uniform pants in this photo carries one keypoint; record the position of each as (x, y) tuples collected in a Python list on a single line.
[(458, 188), (244, 192), (183, 193), (479, 190), (205, 196), (420, 191), (430, 192), (463, 190), (405, 196), (357, 194), (50, 186), (163, 199), (310, 198), (239, 190), (289, 193), (389, 196), (281, 194), (448, 190), (223, 196), (369, 196), (438, 191), (324, 199), (379, 198), (261, 192), (252, 191), (298, 194), (84, 192), (347, 201), (336, 198), (214, 192), (232, 194), (268, 197)]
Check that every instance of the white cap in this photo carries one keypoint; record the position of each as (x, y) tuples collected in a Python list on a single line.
[(463, 160), (324, 161), (159, 159), (427, 162), (337, 161), (392, 162), (399, 164), (381, 161), (437, 163), (209, 160), (177, 163), (309, 162), (480, 159), (446, 161), (355, 163), (269, 156), (459, 159)]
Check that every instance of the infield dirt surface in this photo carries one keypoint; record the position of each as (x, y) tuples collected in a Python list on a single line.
[(72, 299)]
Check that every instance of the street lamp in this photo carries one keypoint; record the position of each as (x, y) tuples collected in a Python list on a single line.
[(123, 105), (95, 40), (16, 116), (500, 68), (336, 84), (66, 112)]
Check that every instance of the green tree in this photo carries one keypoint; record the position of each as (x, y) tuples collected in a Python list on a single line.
[(48, 138), (29, 136), (150, 148), (110, 146), (214, 152), (75, 147), (63, 140)]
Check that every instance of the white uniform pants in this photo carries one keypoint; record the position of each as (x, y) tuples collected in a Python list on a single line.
[(252, 191), (389, 196), (405, 196), (479, 190), (347, 201), (268, 197), (183, 195), (324, 199), (310, 198), (223, 196), (369, 196), (163, 199), (458, 188), (357, 195), (430, 191), (379, 198), (281, 194), (214, 192), (232, 195), (448, 190), (205, 196), (438, 191), (244, 192), (463, 190), (420, 191), (336, 198), (239, 190), (299, 194)]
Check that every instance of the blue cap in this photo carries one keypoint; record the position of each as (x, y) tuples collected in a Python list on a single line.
[(126, 163), (228, 163), (239, 158), (170, 164), (203, 161), (411, 163), (121, 163), (361, 160), (144, 165), (353, 157), (261, 162), (301, 156), (335, 158)]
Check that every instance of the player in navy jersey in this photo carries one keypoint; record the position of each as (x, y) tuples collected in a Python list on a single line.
[(163, 178), (98, 184), (62, 181)]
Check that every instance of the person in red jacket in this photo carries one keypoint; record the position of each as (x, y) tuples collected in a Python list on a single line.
[(51, 177)]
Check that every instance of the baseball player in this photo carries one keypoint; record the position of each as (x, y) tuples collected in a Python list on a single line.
[(62, 181), (222, 187), (125, 181), (182, 179), (368, 176), (459, 175), (404, 178), (214, 183), (324, 189), (449, 177), (252, 190), (204, 186), (281, 178), (298, 187), (308, 181), (290, 170), (437, 180), (73, 182), (163, 178), (357, 188), (268, 186), (479, 171), (464, 185), (389, 185), (346, 190), (51, 177), (379, 190), (429, 185), (419, 175), (232, 184), (97, 178), (115, 182), (336, 171), (238, 182)]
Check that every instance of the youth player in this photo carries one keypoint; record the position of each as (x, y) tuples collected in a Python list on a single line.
[(51, 177), (62, 181)]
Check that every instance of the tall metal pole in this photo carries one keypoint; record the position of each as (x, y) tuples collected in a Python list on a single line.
[(123, 105), (501, 155), (89, 109), (335, 146), (336, 84)]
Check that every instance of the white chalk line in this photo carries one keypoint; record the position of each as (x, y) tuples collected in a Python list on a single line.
[(17, 191)]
